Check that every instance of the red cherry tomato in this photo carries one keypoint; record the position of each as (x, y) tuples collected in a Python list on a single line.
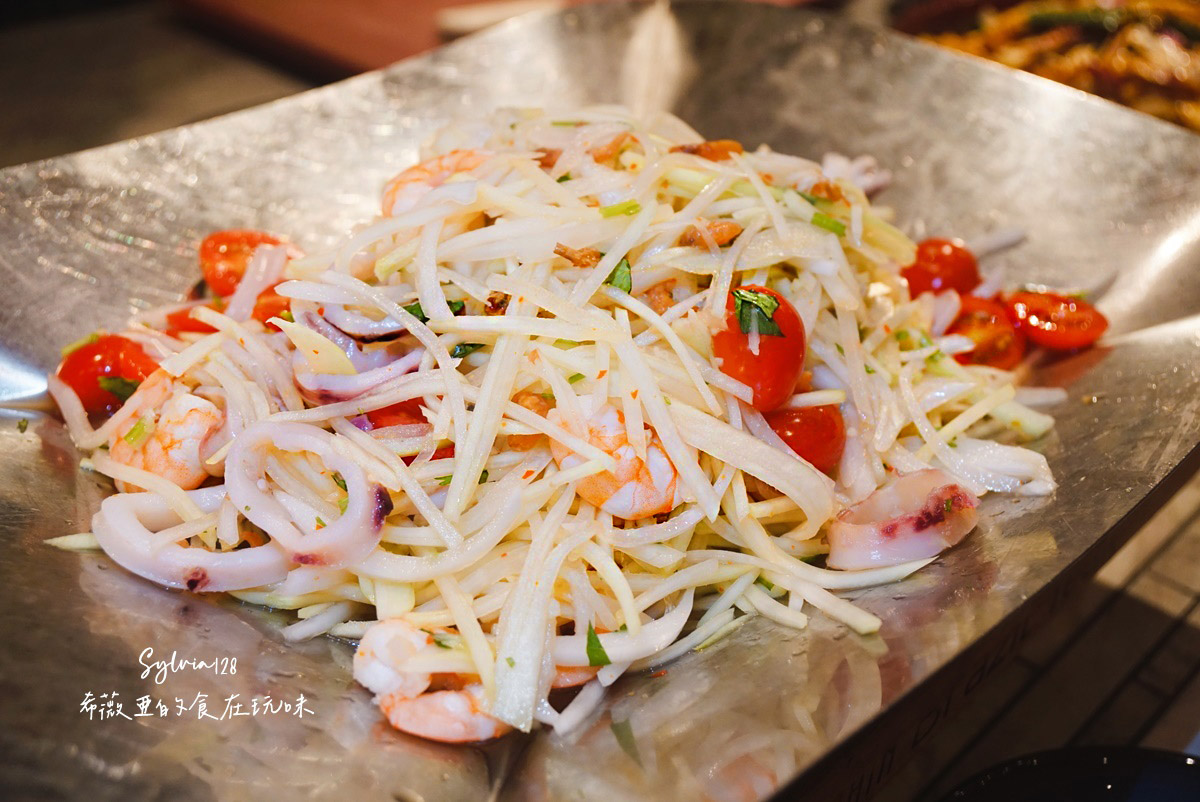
[(942, 265), (1055, 321), (818, 434), (181, 320), (997, 342), (108, 357), (772, 373), (401, 414), (225, 254), (270, 304)]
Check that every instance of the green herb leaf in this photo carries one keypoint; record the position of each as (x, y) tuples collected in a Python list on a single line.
[(840, 349), (287, 315), (624, 735), (320, 523), (575, 377), (343, 503), (416, 311), (902, 335), (121, 388), (629, 207), (22, 425), (445, 640), (511, 662), (483, 477), (339, 481), (822, 220), (621, 277), (595, 650), (82, 341), (757, 306), (566, 345), (564, 178), (567, 123), (949, 504), (623, 628), (444, 480), (547, 396), (868, 369), (462, 349)]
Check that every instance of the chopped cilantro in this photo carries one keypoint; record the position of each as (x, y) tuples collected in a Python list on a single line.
[(757, 306), (338, 480), (840, 349), (416, 311), (121, 388), (320, 523), (444, 480), (902, 335), (286, 314), (564, 178), (462, 349), (949, 504), (566, 345), (869, 369), (483, 477), (511, 662), (343, 503), (621, 277), (595, 650), (547, 396), (22, 425)]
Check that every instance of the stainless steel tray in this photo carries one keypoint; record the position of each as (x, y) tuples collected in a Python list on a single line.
[(1106, 195)]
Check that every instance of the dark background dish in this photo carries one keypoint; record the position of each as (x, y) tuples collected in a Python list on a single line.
[(87, 238)]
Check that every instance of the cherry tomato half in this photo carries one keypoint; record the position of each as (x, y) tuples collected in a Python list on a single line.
[(181, 320), (772, 373), (107, 357), (402, 414), (225, 254), (818, 434), (270, 304), (942, 265), (997, 342), (1055, 321)]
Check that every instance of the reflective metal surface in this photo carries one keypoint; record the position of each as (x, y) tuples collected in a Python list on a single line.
[(1107, 197)]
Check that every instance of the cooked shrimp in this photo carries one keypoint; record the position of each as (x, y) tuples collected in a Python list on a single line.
[(722, 232), (637, 489), (715, 150), (405, 190), (659, 296), (175, 425), (914, 516), (573, 676), (440, 707), (534, 403)]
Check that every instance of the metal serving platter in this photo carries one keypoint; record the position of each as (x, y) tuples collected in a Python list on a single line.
[(1109, 198)]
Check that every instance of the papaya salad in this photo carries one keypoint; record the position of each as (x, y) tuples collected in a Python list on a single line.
[(588, 393)]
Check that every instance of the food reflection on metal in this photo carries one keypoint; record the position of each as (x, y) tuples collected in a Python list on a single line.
[(236, 755)]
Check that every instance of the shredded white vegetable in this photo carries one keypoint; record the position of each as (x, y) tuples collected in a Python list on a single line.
[(498, 418)]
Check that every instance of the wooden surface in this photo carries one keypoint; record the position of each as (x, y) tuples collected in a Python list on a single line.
[(322, 38)]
